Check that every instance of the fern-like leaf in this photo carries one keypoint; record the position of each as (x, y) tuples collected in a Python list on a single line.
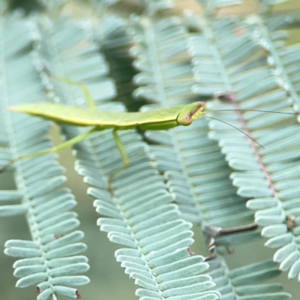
[(48, 259), (261, 175)]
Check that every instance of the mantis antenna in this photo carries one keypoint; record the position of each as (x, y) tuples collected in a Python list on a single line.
[(251, 138)]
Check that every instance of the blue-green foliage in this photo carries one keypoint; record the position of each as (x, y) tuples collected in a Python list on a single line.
[(207, 174), (267, 177), (201, 200), (50, 260), (246, 282), (138, 205)]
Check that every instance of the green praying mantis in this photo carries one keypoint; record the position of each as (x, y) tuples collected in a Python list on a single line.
[(160, 119)]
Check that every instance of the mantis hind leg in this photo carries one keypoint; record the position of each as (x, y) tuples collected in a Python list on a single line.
[(61, 146), (84, 89)]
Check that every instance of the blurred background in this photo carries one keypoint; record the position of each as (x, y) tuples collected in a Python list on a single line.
[(108, 281)]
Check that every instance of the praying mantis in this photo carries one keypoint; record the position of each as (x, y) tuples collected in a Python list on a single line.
[(159, 119)]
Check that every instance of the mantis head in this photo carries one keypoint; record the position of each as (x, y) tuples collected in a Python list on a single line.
[(190, 112)]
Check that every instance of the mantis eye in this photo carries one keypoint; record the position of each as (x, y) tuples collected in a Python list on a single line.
[(187, 118)]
